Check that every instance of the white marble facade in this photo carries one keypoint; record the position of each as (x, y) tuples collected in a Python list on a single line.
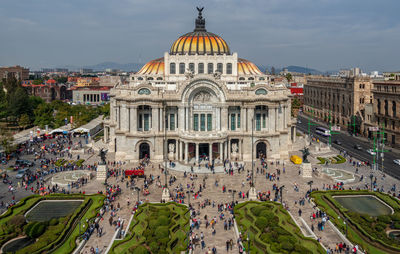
[(207, 109)]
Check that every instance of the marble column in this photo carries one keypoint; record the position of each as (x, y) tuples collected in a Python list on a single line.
[(225, 150), (186, 152), (240, 149), (221, 155), (162, 119), (224, 118), (181, 116), (180, 150), (210, 152), (229, 149), (243, 122), (154, 118), (250, 119), (187, 119), (271, 114), (197, 152), (133, 119)]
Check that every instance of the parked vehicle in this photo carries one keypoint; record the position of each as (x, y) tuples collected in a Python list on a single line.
[(358, 147), (338, 142), (24, 163), (323, 131), (371, 152), (397, 161)]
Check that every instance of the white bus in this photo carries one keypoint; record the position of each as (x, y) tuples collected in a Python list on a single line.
[(322, 131)]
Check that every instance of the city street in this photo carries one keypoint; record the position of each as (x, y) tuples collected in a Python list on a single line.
[(348, 143)]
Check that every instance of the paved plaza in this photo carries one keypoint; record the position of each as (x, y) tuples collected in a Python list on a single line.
[(206, 202)]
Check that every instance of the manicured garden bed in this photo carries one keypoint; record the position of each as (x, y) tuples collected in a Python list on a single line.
[(367, 231), (56, 235), (156, 228), (334, 160), (271, 229)]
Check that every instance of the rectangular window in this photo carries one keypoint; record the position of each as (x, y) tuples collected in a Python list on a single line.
[(209, 122), (196, 122), (238, 123), (258, 122), (263, 121), (210, 68), (202, 122), (172, 122), (229, 68), (146, 122), (201, 68), (140, 122), (181, 68), (220, 68), (233, 122), (172, 68), (191, 67)]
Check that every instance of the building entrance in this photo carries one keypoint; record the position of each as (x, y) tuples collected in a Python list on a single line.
[(204, 151), (261, 150), (144, 151)]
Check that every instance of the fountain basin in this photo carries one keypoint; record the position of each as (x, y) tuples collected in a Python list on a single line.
[(364, 204)]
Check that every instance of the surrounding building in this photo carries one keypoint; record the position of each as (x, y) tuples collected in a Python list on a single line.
[(343, 99), (93, 95), (199, 101), (17, 72), (387, 109), (48, 91)]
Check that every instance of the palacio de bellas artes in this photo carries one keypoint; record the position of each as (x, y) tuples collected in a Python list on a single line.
[(205, 102)]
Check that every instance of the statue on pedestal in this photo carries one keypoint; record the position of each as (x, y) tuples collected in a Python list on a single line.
[(235, 150), (305, 152), (102, 155), (171, 151)]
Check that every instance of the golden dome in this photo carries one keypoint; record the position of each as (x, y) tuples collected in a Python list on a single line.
[(154, 67), (246, 67), (200, 41)]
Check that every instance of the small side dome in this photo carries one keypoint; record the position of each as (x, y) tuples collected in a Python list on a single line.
[(246, 67), (154, 67)]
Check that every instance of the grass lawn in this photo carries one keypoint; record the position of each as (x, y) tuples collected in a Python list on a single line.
[(367, 231), (156, 228), (271, 229), (57, 235)]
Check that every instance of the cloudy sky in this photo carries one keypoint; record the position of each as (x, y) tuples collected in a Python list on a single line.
[(320, 34)]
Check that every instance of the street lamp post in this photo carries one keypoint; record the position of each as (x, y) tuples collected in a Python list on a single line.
[(233, 195), (371, 176), (165, 144), (188, 193), (281, 192), (310, 183), (138, 193), (248, 242), (252, 151)]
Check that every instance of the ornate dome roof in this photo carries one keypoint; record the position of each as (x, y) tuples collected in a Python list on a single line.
[(200, 41), (246, 67), (154, 67)]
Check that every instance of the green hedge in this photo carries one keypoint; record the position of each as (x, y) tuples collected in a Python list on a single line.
[(373, 237), (271, 229)]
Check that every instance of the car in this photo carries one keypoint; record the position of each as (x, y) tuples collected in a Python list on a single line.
[(21, 173), (371, 151), (358, 147), (397, 161), (298, 121), (338, 142), (24, 163)]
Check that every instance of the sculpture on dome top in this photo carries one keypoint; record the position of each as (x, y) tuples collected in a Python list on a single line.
[(200, 21)]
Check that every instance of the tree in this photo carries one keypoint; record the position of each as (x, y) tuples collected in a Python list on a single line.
[(7, 141), (44, 115), (24, 121), (105, 110), (35, 101), (273, 70), (61, 79), (289, 77), (3, 102), (19, 103)]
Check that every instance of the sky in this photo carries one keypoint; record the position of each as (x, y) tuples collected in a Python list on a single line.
[(321, 34)]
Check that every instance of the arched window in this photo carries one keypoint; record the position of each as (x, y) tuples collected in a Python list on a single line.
[(191, 67), (394, 108), (210, 68), (159, 78), (181, 68), (241, 78), (150, 78), (220, 68), (140, 78), (201, 68), (251, 78), (172, 68), (228, 68)]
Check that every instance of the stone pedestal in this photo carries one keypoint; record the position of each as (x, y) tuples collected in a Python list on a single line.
[(165, 197), (252, 194), (101, 172), (306, 170)]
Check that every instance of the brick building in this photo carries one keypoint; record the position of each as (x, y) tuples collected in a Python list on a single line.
[(344, 98), (17, 71)]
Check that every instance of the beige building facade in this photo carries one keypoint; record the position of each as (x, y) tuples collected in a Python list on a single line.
[(340, 98), (199, 102), (387, 109)]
